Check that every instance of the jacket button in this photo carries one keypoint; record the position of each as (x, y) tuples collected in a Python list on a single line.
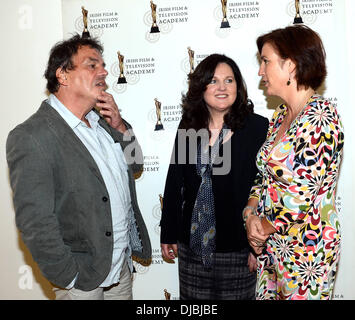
[(104, 199), (108, 234)]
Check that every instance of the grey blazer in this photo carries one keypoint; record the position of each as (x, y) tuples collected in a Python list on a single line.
[(61, 202)]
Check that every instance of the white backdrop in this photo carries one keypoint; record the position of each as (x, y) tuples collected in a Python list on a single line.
[(156, 66)]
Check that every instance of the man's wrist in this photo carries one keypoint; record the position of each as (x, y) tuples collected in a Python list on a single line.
[(121, 127)]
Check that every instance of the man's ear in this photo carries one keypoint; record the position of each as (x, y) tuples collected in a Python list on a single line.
[(61, 76)]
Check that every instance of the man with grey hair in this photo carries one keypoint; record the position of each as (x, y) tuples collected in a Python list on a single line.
[(72, 166)]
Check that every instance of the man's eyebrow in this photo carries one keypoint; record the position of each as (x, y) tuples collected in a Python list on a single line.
[(96, 60)]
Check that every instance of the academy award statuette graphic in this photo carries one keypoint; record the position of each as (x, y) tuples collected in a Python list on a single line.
[(298, 18), (224, 23), (85, 33), (191, 59), (154, 28), (167, 294), (161, 198), (121, 78), (159, 125)]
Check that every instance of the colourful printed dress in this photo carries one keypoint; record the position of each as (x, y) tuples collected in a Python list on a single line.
[(295, 187)]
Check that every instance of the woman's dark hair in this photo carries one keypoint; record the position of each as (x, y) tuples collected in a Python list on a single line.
[(304, 47), (61, 57), (195, 114)]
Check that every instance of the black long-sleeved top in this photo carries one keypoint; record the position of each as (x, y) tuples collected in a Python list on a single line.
[(231, 191)]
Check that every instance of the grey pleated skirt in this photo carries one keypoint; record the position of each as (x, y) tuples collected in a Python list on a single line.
[(229, 279)]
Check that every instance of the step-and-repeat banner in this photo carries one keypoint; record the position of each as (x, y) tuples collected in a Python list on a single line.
[(151, 46)]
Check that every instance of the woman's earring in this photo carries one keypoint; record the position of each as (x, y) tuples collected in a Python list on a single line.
[(289, 81)]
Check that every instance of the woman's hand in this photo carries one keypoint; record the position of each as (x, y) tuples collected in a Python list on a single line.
[(255, 233), (258, 230), (169, 251), (252, 262)]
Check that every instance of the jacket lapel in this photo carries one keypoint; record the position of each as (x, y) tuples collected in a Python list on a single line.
[(62, 130), (237, 154)]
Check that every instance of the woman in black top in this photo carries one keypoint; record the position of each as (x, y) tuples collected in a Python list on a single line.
[(209, 179)]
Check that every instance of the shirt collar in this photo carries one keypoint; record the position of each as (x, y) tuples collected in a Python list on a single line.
[(72, 120)]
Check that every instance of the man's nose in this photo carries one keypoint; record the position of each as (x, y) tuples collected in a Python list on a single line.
[(104, 72)]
